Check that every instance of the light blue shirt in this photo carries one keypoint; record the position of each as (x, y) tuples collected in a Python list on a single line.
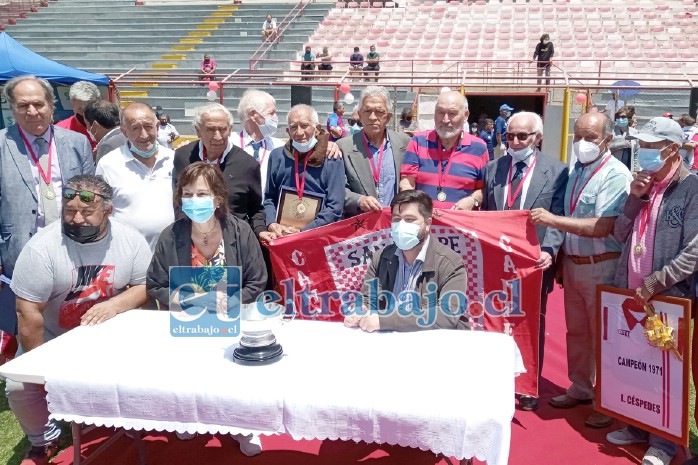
[(407, 274), (387, 180)]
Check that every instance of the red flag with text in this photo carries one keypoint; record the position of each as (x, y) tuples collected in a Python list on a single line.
[(499, 250)]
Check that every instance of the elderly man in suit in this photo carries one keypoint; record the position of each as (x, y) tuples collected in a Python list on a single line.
[(36, 158), (525, 179), (373, 156)]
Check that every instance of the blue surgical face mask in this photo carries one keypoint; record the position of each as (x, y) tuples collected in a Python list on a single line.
[(650, 159), (520, 155), (268, 129), (622, 122), (405, 235), (305, 146), (354, 129), (143, 154), (198, 209)]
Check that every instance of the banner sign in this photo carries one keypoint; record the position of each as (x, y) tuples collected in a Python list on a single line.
[(636, 382), (321, 271)]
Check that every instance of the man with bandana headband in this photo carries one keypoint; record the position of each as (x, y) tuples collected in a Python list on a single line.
[(140, 172), (81, 270), (416, 264)]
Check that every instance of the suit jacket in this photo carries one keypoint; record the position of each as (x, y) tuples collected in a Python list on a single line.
[(18, 197), (358, 168), (242, 177), (241, 249), (546, 190), (442, 267), (110, 142)]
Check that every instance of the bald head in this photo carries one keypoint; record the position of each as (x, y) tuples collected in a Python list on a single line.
[(136, 108), (450, 114), (139, 125), (597, 122), (453, 98)]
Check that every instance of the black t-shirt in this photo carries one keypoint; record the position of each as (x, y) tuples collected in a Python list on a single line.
[(544, 52)]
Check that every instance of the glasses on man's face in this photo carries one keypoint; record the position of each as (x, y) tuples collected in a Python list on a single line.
[(84, 196), (518, 135)]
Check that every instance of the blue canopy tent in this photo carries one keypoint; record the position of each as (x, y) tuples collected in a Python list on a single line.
[(18, 60)]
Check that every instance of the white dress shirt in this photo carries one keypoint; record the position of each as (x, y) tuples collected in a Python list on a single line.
[(526, 180), (243, 140), (56, 180)]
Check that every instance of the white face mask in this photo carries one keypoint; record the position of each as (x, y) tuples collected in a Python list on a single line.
[(268, 129), (304, 147), (520, 155), (585, 151), (405, 235)]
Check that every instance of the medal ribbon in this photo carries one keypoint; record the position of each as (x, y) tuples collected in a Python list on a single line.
[(376, 171), (242, 145), (575, 200), (300, 181), (46, 176), (205, 156), (511, 199), (444, 172)]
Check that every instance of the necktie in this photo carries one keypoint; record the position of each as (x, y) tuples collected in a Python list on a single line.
[(48, 204), (256, 146), (516, 180)]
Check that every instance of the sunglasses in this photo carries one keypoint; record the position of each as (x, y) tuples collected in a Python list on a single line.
[(518, 135), (85, 196)]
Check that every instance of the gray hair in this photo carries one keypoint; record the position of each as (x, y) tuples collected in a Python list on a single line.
[(253, 99), (93, 183), (314, 119), (537, 120), (208, 108), (375, 91), (9, 90), (84, 92)]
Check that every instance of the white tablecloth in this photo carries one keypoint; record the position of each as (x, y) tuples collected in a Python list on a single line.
[(448, 391)]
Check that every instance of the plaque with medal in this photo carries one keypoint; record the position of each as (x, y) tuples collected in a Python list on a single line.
[(297, 212)]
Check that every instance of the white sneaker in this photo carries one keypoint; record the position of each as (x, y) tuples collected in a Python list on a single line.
[(655, 456), (185, 436), (623, 437), (250, 445)]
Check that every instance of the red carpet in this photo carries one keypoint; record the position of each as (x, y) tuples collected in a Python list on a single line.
[(546, 437)]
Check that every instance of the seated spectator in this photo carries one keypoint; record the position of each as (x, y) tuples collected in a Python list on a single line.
[(207, 69), (102, 118), (269, 29), (372, 63), (81, 94), (82, 270), (308, 65), (356, 62), (140, 173), (335, 123), (325, 60), (208, 236), (299, 169), (167, 133), (406, 118), (415, 262)]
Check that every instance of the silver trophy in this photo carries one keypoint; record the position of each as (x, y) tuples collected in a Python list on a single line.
[(258, 344)]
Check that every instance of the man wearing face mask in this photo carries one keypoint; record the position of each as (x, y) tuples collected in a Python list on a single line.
[(82, 270), (373, 156), (36, 158), (81, 94), (302, 167), (415, 262), (500, 128), (525, 179), (621, 147), (102, 117), (596, 192), (657, 229), (257, 113), (140, 172)]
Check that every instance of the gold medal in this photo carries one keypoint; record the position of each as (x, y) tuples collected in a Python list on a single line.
[(50, 193), (638, 249), (441, 196), (300, 208)]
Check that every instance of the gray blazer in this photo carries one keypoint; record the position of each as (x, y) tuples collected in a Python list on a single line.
[(546, 190), (18, 198), (110, 142), (358, 168)]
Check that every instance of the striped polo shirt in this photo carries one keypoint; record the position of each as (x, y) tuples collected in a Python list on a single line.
[(604, 195), (465, 174)]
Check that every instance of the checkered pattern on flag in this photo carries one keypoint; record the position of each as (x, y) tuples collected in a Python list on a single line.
[(499, 250)]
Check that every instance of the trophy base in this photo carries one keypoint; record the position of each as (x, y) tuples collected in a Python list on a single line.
[(257, 356)]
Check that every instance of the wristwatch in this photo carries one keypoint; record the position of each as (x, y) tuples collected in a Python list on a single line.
[(476, 204)]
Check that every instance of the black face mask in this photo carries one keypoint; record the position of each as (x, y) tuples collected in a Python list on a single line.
[(81, 233), (80, 118)]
